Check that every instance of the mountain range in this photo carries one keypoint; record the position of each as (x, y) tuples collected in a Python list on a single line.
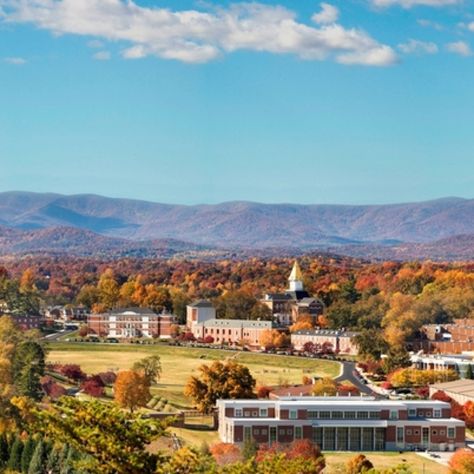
[(90, 224)]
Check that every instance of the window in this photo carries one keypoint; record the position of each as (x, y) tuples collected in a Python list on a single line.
[(434, 432), (400, 434), (349, 415), (298, 432), (408, 432), (363, 415), (293, 415), (238, 412), (289, 431), (264, 431), (394, 414), (263, 412), (417, 432), (247, 433), (312, 414), (442, 432), (412, 412), (337, 415), (325, 415), (437, 413), (374, 415), (256, 431), (451, 433)]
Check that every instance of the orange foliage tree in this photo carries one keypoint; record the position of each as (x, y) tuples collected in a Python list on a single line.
[(462, 462), (225, 453), (132, 389)]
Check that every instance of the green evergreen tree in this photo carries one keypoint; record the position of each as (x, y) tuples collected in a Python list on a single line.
[(27, 454), (4, 451), (67, 467), (28, 368), (37, 464), (53, 463), (14, 462), (469, 373), (249, 449)]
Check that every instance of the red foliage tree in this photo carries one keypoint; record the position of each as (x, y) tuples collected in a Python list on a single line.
[(263, 391)]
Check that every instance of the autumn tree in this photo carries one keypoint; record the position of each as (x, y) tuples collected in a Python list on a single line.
[(131, 390), (228, 380), (462, 462), (324, 387), (150, 367), (358, 464), (115, 442), (225, 453)]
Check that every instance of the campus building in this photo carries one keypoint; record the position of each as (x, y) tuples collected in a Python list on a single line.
[(202, 322), (462, 391), (453, 338), (458, 363), (338, 341), (129, 323), (342, 423), (294, 302)]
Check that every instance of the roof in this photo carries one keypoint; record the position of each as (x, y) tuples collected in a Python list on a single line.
[(298, 295), (236, 323), (277, 296), (201, 304), (132, 311), (461, 387), (296, 274), (325, 332), (309, 300)]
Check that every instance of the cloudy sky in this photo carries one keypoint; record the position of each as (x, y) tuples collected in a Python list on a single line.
[(354, 101)]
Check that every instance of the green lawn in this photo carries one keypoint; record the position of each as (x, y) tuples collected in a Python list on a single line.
[(179, 363), (336, 461)]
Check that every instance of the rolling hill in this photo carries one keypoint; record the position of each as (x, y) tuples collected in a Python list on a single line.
[(131, 225)]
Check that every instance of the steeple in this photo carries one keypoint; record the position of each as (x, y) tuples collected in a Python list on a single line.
[(296, 278)]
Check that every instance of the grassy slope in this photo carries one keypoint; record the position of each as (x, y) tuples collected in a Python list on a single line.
[(179, 363), (335, 462)]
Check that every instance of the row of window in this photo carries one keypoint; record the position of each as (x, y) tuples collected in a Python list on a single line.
[(339, 415)]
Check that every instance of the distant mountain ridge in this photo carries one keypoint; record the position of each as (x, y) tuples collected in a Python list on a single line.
[(240, 225)]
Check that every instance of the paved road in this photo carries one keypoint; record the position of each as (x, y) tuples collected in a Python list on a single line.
[(349, 373)]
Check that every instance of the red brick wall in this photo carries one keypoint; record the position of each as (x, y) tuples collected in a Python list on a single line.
[(403, 414), (460, 434), (284, 414), (302, 414), (413, 438), (229, 412), (260, 438), (436, 436), (390, 434), (287, 436), (384, 414), (308, 432)]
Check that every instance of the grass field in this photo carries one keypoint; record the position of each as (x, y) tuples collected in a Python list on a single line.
[(335, 462), (179, 363)]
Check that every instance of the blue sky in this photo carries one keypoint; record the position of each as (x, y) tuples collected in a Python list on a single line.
[(355, 101)]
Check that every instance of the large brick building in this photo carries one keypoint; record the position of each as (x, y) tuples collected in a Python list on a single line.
[(201, 321), (452, 338), (342, 423), (339, 341), (130, 322)]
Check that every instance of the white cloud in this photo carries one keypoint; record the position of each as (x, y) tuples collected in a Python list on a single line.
[(459, 47), (413, 46), (328, 14), (17, 61), (200, 36), (470, 26), (430, 24), (102, 55), (414, 3), (95, 44)]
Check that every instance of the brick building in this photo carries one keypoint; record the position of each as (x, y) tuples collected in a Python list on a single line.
[(27, 322), (340, 341), (201, 321), (460, 390), (130, 322), (342, 423), (294, 302), (452, 338)]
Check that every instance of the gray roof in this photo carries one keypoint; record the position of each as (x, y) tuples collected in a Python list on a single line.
[(325, 332), (236, 323), (141, 311), (201, 304)]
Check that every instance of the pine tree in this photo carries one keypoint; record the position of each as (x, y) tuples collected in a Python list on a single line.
[(4, 451), (249, 449), (469, 373), (27, 454), (14, 462), (38, 460), (53, 464)]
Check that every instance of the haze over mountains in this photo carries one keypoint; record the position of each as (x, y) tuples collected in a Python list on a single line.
[(35, 222)]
